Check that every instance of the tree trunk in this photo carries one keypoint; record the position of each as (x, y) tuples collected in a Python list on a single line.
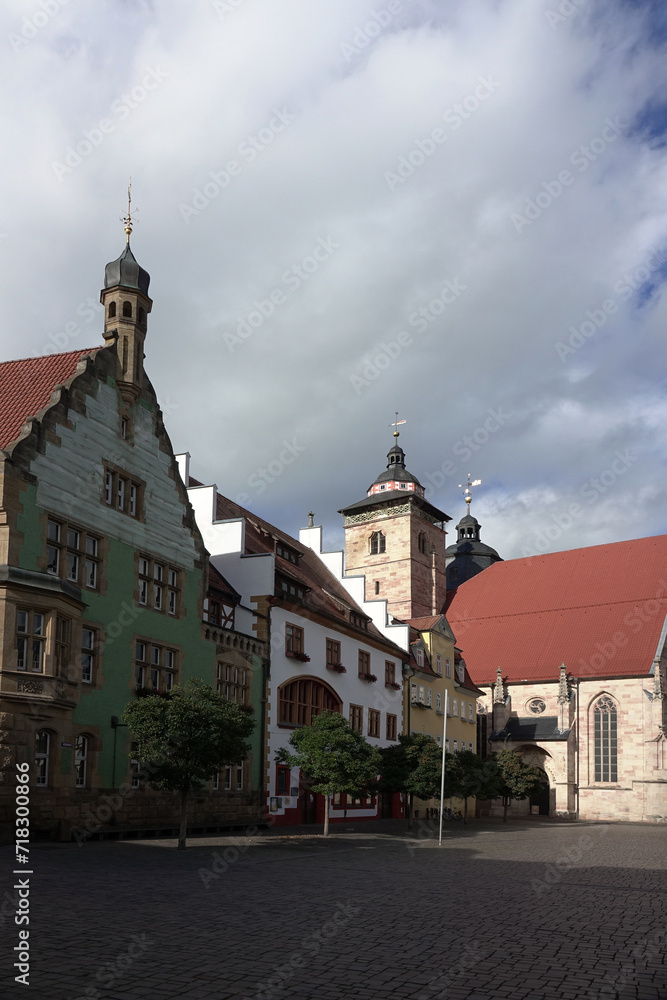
[(410, 811), (183, 832), (326, 815), (505, 807)]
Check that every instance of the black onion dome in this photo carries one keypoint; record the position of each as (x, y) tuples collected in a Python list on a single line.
[(127, 273)]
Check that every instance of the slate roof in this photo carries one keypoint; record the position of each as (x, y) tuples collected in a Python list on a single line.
[(543, 728), (323, 593), (26, 386), (600, 610), (375, 499)]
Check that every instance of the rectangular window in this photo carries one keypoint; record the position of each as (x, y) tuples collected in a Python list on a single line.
[(470, 747), (447, 744), (333, 652), (30, 639), (62, 646), (391, 727), (438, 703), (239, 778), (134, 765), (293, 639), (373, 722), (228, 778), (413, 693), (121, 490), (77, 559), (456, 746), (364, 663), (438, 665), (429, 697), (233, 683), (455, 706), (471, 712), (42, 749), (357, 718), (156, 667), (448, 667), (463, 709), (88, 646), (81, 760), (419, 657), (389, 672), (150, 587), (282, 780)]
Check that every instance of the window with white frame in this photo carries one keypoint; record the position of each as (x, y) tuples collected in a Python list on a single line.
[(471, 712), (72, 553), (456, 746), (438, 664), (448, 667), (123, 492), (155, 667), (438, 702), (232, 683), (455, 706), (463, 709), (429, 697)]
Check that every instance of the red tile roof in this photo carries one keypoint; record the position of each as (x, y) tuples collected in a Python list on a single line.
[(424, 624), (26, 386), (600, 610)]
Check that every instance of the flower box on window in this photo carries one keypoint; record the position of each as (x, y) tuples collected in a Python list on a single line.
[(368, 677), (303, 657), (338, 667), (393, 684)]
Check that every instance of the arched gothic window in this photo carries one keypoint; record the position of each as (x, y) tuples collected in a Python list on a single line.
[(378, 543), (127, 309), (301, 700), (112, 310), (606, 741)]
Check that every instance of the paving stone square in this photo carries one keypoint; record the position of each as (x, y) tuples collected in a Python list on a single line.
[(524, 910)]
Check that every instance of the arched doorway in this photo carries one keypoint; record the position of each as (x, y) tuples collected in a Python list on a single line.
[(541, 799)]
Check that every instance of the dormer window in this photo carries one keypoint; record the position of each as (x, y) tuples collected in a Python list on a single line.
[(358, 620), (286, 553)]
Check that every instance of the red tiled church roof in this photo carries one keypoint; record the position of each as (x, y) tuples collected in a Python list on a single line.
[(600, 610), (26, 386)]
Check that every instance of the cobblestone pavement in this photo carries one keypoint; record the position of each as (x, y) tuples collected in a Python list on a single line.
[(526, 910)]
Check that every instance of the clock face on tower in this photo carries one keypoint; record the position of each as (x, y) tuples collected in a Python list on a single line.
[(536, 706)]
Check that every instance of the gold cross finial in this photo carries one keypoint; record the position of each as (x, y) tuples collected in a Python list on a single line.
[(127, 219), (395, 423), (467, 487)]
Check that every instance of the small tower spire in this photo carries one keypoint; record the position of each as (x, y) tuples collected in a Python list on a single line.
[(127, 219), (467, 488), (499, 688), (395, 424)]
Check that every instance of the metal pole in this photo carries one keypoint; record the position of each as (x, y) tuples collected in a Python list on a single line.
[(442, 776)]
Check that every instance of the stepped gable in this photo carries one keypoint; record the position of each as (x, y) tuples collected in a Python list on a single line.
[(323, 592), (26, 387), (600, 610)]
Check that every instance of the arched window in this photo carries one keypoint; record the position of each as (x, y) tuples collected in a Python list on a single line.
[(81, 748), (300, 701), (127, 309), (112, 310), (606, 741), (378, 543), (377, 586), (42, 755), (141, 315), (421, 542)]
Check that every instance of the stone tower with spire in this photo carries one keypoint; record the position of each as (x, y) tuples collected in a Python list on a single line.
[(126, 308), (395, 538)]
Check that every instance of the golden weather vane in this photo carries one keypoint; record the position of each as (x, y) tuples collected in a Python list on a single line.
[(466, 487), (395, 424), (127, 219)]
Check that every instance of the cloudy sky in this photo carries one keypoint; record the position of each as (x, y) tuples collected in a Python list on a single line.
[(453, 209)]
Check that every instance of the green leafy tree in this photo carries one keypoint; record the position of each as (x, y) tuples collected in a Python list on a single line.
[(518, 780), (334, 756), (185, 738), (466, 774), (412, 766)]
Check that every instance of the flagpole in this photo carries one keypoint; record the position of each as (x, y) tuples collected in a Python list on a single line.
[(442, 776)]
